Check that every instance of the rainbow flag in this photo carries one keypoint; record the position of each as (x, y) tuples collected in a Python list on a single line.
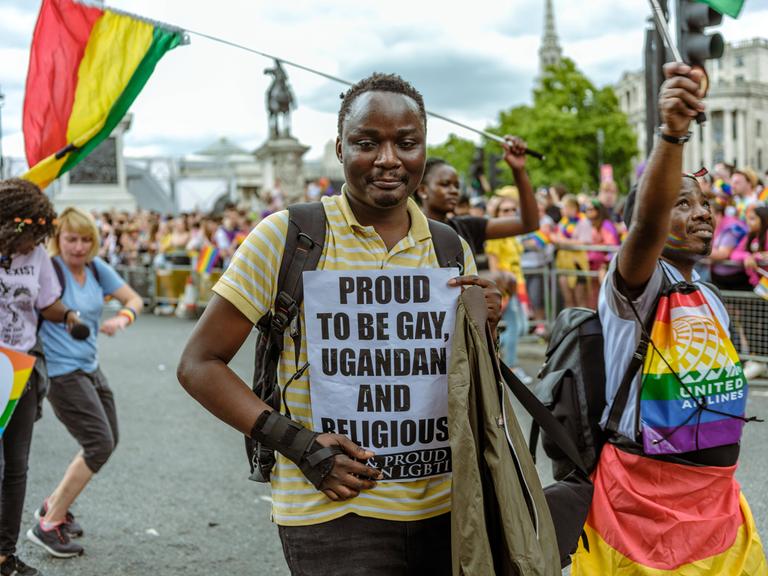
[(567, 226), (240, 238), (86, 68), (690, 341), (15, 370), (539, 239), (762, 287), (654, 518), (206, 259)]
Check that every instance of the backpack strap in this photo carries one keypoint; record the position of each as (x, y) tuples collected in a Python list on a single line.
[(303, 248), (94, 269), (543, 417), (63, 281), (60, 276), (622, 394), (448, 248)]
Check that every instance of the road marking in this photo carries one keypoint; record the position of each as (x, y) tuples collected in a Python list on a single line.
[(264, 499), (763, 393)]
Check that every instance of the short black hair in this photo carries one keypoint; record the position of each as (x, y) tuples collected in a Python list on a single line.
[(629, 203), (378, 82), (432, 163)]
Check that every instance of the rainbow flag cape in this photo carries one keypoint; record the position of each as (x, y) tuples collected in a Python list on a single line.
[(86, 68), (692, 363), (654, 518), (15, 370), (206, 259)]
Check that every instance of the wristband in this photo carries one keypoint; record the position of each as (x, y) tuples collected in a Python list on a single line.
[(299, 445), (69, 311), (674, 139), (129, 313)]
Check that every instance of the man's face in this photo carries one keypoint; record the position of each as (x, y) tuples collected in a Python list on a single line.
[(740, 185), (382, 147), (607, 196), (692, 224)]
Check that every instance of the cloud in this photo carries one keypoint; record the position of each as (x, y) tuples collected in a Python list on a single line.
[(449, 81), (469, 60)]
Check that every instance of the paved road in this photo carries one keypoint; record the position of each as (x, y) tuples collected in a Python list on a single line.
[(175, 498)]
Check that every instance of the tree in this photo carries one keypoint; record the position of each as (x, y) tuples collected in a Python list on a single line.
[(563, 123), (456, 151)]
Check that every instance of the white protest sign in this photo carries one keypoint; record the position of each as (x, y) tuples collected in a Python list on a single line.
[(379, 346)]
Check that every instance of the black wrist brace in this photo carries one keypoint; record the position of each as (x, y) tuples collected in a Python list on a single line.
[(292, 440)]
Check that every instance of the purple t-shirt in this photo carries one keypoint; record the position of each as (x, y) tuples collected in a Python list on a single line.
[(29, 285)]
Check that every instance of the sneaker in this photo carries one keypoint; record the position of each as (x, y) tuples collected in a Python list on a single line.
[(753, 370), (55, 541), (15, 567), (70, 524)]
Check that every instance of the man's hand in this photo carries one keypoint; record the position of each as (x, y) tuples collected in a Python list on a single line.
[(680, 99), (514, 152), (348, 476), (491, 292)]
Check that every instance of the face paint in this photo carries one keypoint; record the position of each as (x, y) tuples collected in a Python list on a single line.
[(676, 243)]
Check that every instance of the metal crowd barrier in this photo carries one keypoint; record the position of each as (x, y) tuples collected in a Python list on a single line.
[(165, 286), (747, 310)]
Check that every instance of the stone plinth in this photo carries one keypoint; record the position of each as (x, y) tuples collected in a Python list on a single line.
[(99, 181), (282, 167)]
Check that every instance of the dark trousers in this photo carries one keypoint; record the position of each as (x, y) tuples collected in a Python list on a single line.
[(353, 545), (84, 403), (14, 459)]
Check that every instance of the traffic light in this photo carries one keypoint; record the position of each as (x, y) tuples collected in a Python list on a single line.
[(494, 174), (695, 45)]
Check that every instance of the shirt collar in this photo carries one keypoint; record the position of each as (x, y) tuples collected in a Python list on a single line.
[(419, 230)]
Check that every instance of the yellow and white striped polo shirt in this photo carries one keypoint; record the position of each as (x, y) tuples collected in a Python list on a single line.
[(250, 284)]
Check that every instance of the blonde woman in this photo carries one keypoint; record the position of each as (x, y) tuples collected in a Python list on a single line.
[(79, 392)]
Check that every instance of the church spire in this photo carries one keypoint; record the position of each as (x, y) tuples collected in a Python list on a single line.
[(550, 52)]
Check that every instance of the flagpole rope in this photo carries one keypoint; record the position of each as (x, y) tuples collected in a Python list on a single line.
[(185, 31)]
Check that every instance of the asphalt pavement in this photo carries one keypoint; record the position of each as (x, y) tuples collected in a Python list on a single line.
[(175, 498)]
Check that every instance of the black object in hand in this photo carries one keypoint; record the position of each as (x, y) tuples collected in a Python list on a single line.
[(80, 332)]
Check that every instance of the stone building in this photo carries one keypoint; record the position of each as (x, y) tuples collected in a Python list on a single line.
[(737, 109)]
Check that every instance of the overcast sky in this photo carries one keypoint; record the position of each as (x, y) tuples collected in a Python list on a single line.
[(470, 60)]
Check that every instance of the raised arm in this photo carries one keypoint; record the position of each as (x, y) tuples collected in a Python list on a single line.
[(660, 185), (514, 156)]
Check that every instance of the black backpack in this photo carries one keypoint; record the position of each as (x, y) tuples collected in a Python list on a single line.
[(572, 383), (303, 248)]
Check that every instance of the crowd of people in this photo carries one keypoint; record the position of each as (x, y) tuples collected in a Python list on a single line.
[(513, 240), (665, 496)]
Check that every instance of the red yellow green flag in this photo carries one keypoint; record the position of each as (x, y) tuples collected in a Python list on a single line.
[(86, 67), (730, 7), (15, 370)]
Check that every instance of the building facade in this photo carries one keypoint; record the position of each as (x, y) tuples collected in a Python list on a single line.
[(737, 109)]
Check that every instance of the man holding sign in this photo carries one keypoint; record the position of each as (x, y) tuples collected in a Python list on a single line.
[(365, 453)]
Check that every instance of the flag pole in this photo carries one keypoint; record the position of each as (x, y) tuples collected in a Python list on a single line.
[(187, 31)]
